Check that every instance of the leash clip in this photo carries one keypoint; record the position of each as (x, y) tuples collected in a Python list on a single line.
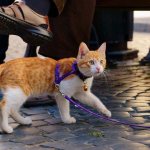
[(57, 87)]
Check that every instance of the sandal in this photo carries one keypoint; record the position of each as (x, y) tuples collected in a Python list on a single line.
[(19, 19)]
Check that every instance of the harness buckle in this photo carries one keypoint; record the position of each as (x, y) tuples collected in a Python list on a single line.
[(57, 86)]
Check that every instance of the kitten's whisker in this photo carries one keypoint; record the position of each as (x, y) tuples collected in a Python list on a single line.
[(105, 77)]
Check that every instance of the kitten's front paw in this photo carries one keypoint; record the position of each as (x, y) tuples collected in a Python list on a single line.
[(69, 120), (106, 112)]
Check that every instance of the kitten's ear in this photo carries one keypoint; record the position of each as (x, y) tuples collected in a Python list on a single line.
[(83, 50), (102, 48)]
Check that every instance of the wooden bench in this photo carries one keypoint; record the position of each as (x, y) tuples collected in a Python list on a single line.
[(122, 51), (124, 4)]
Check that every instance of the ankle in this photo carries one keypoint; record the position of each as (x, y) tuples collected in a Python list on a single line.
[(39, 6)]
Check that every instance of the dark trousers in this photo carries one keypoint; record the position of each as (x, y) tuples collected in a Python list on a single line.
[(3, 47), (6, 2), (4, 38)]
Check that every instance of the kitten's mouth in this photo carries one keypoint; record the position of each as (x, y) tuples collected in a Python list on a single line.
[(98, 73)]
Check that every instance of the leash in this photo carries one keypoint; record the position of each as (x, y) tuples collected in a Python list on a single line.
[(58, 79)]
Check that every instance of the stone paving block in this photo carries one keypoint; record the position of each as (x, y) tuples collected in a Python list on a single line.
[(40, 117), (52, 128), (35, 112), (140, 88), (115, 98), (30, 140), (141, 138), (134, 91), (138, 101), (120, 114), (40, 148), (53, 121), (102, 147), (118, 133), (130, 146), (12, 146), (147, 124), (129, 104), (111, 142), (5, 138), (65, 145), (26, 131), (143, 109), (127, 94), (145, 94), (146, 142), (39, 123), (122, 109), (84, 140), (117, 102), (142, 98), (136, 120), (140, 114), (78, 126), (142, 132), (60, 136), (133, 120)]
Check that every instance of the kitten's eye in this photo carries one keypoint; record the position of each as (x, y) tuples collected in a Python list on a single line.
[(101, 61), (91, 62)]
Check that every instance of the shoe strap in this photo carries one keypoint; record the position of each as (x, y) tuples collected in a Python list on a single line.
[(10, 8), (2, 9), (20, 9), (13, 11)]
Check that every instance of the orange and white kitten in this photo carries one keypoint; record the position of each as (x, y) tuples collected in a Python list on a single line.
[(26, 77)]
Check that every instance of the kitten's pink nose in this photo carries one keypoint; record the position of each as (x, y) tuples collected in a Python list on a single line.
[(98, 69)]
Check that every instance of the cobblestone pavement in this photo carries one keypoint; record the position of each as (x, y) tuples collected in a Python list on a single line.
[(125, 91)]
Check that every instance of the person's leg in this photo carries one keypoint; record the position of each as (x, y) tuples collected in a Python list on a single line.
[(6, 2), (4, 38), (69, 31), (19, 19), (40, 6), (3, 47)]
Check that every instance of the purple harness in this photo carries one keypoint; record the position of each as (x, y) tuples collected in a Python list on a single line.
[(76, 71)]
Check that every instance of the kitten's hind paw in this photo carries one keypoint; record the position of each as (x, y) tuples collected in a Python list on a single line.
[(69, 120), (27, 121), (8, 129)]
